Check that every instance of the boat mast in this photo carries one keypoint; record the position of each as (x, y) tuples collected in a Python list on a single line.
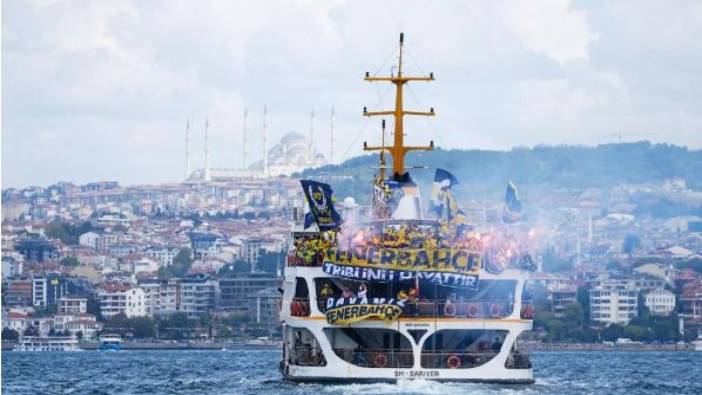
[(398, 149)]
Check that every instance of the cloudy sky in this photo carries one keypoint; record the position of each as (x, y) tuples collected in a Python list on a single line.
[(96, 90)]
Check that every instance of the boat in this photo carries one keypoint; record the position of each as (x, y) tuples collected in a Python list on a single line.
[(50, 343), (698, 341), (386, 293), (110, 343)]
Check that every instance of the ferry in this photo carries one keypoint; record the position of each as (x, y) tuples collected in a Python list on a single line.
[(110, 343), (50, 343), (389, 292)]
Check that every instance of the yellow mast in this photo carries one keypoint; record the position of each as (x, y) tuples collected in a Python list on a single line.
[(398, 149)]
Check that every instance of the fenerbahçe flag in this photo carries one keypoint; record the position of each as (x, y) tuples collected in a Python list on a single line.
[(348, 311), (319, 198), (513, 206)]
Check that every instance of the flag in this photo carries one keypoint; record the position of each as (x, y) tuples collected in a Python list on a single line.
[(319, 197), (513, 206), (441, 197)]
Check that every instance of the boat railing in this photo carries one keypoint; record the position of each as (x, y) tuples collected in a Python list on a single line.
[(307, 356), (376, 358), (300, 307), (456, 359), (314, 260), (518, 360), (440, 308)]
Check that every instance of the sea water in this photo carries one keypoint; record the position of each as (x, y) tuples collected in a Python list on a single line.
[(255, 372)]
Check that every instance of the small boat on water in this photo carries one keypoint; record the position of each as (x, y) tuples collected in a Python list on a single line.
[(110, 343), (52, 343)]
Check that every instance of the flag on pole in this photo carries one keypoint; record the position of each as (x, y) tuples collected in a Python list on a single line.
[(513, 206), (319, 197)]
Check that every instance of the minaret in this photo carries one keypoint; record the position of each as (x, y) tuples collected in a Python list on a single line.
[(265, 148), (245, 157), (206, 175), (187, 150), (331, 143), (310, 160)]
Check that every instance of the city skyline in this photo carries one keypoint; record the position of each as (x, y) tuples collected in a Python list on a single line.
[(110, 98)]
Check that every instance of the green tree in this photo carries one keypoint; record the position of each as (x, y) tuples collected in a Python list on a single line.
[(69, 261), (31, 331), (180, 267), (9, 335)]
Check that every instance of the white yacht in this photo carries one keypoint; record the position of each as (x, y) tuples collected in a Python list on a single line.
[(390, 294), (50, 343)]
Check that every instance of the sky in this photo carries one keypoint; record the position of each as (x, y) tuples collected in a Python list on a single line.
[(102, 90)]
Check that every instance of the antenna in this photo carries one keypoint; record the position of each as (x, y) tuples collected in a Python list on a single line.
[(311, 150), (331, 144), (398, 149), (265, 149), (206, 176), (245, 157), (187, 150)]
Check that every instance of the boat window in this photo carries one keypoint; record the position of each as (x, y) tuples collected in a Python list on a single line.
[(302, 348), (301, 289), (518, 357), (371, 347), (461, 349)]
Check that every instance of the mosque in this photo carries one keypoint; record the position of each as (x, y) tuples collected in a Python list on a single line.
[(293, 153)]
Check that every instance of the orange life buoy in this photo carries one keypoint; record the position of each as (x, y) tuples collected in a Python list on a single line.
[(453, 361), (380, 360), (495, 310), (449, 309)]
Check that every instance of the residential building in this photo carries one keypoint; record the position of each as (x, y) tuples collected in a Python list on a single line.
[(164, 254), (198, 295), (12, 265), (691, 300), (560, 297), (86, 324), (264, 307), (660, 302), (118, 298), (37, 249), (235, 291), (17, 292), (72, 305), (613, 303)]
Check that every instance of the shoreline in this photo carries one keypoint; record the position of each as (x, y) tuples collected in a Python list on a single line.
[(609, 347)]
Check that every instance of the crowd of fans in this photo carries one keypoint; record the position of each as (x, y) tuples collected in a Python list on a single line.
[(309, 249)]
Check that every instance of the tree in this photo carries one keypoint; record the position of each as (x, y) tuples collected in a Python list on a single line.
[(79, 335), (142, 327), (69, 261), (9, 335), (31, 331), (613, 332), (180, 267), (93, 307)]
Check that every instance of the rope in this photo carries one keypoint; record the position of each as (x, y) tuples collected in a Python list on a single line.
[(428, 121)]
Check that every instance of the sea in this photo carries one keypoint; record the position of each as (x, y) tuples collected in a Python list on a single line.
[(255, 372)]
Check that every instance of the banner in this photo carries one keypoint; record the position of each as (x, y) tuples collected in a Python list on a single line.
[(469, 281), (319, 198), (348, 311), (410, 259)]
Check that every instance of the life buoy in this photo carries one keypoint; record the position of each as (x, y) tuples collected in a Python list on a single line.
[(528, 311), (380, 360), (449, 309), (495, 310), (473, 310), (453, 361)]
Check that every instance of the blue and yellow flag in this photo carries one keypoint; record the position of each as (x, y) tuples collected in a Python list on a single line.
[(443, 203), (319, 198), (513, 206)]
